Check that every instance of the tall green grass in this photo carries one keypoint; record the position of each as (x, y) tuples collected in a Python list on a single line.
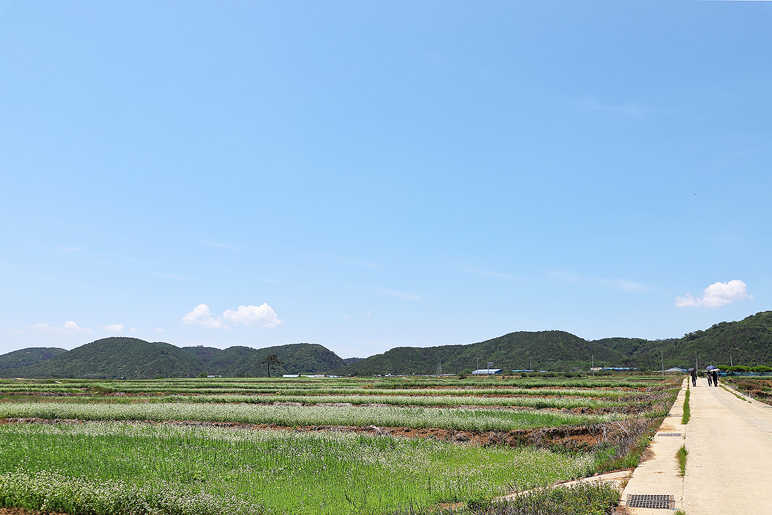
[(108, 468), (681, 457), (687, 412)]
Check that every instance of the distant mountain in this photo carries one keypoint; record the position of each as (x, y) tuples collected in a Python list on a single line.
[(30, 356), (298, 358), (132, 358), (746, 342), (114, 358), (550, 350)]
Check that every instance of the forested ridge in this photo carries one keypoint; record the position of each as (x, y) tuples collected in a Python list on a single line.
[(745, 342)]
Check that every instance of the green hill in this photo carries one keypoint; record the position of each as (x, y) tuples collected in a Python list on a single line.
[(298, 358), (746, 342), (132, 358), (112, 358), (544, 350), (27, 357)]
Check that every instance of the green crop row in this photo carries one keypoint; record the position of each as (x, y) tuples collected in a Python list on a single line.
[(108, 468), (289, 415)]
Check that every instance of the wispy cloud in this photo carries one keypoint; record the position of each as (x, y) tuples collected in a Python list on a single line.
[(715, 295), (172, 276), (69, 327), (113, 328), (489, 273), (399, 294), (604, 282)]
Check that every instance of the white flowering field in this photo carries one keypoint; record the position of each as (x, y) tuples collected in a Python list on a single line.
[(306, 446)]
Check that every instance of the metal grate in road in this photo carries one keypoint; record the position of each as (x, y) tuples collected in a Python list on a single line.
[(660, 502), (669, 434)]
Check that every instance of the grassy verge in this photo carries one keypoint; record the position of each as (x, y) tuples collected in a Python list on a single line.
[(687, 411), (583, 499), (681, 456)]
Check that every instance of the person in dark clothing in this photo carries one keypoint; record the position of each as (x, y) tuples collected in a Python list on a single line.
[(714, 373), (693, 372), (710, 377)]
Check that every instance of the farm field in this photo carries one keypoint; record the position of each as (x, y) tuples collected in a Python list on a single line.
[(308, 446), (760, 388)]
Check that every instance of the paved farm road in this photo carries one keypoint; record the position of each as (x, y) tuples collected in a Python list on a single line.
[(729, 467)]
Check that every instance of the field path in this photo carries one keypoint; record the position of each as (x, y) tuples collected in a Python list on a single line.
[(729, 466)]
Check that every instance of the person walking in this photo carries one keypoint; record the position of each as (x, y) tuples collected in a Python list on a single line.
[(714, 373), (710, 377), (693, 373)]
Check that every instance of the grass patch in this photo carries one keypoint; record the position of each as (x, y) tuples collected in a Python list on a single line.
[(687, 411), (681, 456), (107, 468), (735, 393), (582, 499)]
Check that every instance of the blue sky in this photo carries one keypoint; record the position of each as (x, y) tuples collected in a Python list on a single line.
[(369, 175)]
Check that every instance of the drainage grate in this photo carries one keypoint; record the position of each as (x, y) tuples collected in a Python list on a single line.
[(669, 434), (660, 502)]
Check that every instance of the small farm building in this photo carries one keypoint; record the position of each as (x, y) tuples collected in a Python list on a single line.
[(484, 371)]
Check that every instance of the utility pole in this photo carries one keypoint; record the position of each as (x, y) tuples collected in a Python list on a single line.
[(662, 358), (592, 366)]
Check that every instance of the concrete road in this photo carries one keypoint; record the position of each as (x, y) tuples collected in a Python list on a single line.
[(729, 467)]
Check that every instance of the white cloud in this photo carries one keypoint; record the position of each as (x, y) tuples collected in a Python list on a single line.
[(263, 315), (113, 328), (715, 295), (202, 316), (69, 327)]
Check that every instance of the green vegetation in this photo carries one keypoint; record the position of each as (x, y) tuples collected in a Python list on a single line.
[(555, 352), (290, 416), (582, 499), (29, 356), (681, 457), (735, 393), (120, 357), (687, 414), (89, 447), (223, 470), (759, 388)]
